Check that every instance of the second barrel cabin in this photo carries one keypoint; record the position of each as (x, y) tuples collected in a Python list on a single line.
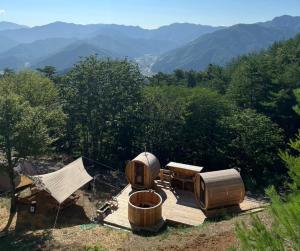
[(142, 171), (219, 189)]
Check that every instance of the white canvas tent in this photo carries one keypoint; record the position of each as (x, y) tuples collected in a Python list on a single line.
[(64, 182)]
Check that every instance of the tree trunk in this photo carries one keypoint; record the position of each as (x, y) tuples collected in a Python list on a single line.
[(13, 190), (11, 175)]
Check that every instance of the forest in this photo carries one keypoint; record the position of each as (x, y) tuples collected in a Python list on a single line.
[(237, 116)]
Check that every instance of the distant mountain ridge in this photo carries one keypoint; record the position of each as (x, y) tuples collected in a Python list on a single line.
[(188, 32), (221, 46), (11, 26), (24, 47), (179, 45)]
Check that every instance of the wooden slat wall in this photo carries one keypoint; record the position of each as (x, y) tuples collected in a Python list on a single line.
[(151, 170), (222, 188), (144, 217)]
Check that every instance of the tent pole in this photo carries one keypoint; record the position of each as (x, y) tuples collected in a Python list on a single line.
[(56, 217)]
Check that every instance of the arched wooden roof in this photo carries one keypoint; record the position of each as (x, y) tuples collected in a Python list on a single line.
[(148, 159), (228, 176)]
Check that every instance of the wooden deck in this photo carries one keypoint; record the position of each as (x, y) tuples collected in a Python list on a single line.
[(179, 207)]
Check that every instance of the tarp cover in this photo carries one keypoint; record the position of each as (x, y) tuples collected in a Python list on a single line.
[(62, 183)]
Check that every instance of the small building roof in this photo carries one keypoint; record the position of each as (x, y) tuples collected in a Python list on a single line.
[(22, 181), (148, 159), (62, 183), (227, 175), (185, 166)]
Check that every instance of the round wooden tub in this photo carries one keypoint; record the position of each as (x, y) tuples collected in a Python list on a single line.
[(145, 208)]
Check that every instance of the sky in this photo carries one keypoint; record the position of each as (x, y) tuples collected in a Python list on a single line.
[(145, 13)]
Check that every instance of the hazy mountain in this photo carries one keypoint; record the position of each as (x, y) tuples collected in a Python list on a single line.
[(53, 30), (283, 22), (180, 32), (6, 43), (221, 46), (68, 56), (28, 46), (26, 55), (29, 54), (10, 26), (132, 47), (179, 45)]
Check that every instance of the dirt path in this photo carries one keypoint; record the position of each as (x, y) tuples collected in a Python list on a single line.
[(210, 236)]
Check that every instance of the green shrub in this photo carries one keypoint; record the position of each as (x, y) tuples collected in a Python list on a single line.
[(284, 233)]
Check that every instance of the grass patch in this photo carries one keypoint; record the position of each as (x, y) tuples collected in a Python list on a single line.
[(169, 230), (5, 202), (97, 247)]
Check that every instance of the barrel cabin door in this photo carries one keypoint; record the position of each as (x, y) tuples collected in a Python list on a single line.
[(202, 192), (139, 173)]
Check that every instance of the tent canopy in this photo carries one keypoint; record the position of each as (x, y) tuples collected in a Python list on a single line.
[(62, 183)]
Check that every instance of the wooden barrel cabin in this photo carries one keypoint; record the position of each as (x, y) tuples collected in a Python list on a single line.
[(142, 171), (219, 189), (145, 209)]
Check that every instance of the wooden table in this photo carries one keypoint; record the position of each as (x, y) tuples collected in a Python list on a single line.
[(183, 172)]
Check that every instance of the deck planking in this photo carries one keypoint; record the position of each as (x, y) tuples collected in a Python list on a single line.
[(178, 207)]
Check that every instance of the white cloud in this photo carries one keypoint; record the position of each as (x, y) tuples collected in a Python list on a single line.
[(2, 12)]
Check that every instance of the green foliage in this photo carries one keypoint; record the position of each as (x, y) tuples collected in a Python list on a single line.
[(221, 117), (97, 247), (31, 117), (191, 80), (101, 99), (253, 142), (203, 136), (214, 77), (163, 120), (249, 84), (284, 233), (183, 124), (48, 71)]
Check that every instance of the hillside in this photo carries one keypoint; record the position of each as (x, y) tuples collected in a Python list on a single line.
[(23, 55), (71, 54), (24, 47), (10, 26), (221, 46), (6, 43)]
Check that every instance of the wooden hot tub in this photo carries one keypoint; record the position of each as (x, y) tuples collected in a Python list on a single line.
[(145, 208)]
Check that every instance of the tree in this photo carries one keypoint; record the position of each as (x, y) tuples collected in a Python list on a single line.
[(183, 124), (179, 74), (191, 79), (249, 85), (48, 71), (253, 144), (101, 99), (284, 233), (31, 119), (202, 136), (215, 78), (163, 112)]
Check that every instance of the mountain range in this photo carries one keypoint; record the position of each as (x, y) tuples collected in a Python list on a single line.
[(57, 42), (179, 45), (221, 46)]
